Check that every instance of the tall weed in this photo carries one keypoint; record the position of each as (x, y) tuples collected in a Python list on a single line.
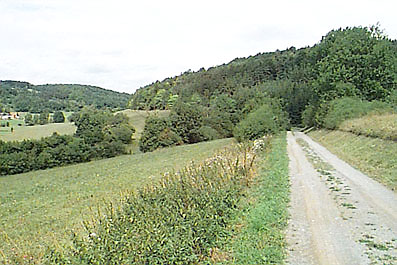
[(176, 221), (261, 238)]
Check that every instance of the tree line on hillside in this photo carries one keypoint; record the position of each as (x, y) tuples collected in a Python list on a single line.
[(99, 134), (24, 97), (192, 123), (357, 62), (44, 118)]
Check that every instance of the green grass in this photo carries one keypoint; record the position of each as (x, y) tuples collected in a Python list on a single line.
[(376, 125), (374, 156), (138, 117), (42, 207), (261, 231), (178, 220), (38, 131)]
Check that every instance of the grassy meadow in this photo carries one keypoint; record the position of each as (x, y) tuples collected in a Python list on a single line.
[(382, 126), (375, 157), (38, 131), (41, 208), (137, 118)]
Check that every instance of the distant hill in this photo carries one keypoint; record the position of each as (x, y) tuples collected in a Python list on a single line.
[(26, 97)]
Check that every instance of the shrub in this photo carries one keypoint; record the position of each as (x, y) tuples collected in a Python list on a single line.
[(208, 134), (349, 108), (265, 120), (156, 134), (58, 117), (308, 116), (186, 120)]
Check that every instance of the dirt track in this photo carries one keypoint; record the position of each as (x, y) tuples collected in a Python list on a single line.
[(338, 215)]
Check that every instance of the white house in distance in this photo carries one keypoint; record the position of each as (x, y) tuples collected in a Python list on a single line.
[(9, 116)]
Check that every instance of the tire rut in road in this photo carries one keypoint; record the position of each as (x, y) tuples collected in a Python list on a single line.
[(332, 214)]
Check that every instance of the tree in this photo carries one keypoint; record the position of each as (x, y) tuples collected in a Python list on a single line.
[(186, 120), (268, 119), (90, 124), (157, 133), (29, 119), (355, 62), (43, 118), (59, 117)]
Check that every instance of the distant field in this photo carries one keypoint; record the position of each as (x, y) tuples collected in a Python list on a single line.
[(137, 118), (36, 132), (38, 208)]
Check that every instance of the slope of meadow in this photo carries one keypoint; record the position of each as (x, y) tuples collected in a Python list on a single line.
[(138, 117), (367, 143), (42, 207), (382, 126)]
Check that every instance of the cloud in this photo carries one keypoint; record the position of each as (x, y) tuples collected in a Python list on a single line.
[(123, 44)]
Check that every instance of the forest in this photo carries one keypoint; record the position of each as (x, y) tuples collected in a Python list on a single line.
[(356, 62), (20, 96)]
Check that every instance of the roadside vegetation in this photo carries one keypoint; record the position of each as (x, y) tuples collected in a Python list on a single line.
[(332, 114), (383, 126), (362, 133), (259, 236), (193, 216), (42, 208), (374, 156), (178, 220)]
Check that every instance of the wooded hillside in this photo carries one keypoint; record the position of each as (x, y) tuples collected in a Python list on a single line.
[(357, 62), (25, 97)]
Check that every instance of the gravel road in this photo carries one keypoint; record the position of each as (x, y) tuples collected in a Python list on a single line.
[(338, 215)]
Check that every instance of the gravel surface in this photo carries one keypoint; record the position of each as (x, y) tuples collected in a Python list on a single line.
[(338, 215)]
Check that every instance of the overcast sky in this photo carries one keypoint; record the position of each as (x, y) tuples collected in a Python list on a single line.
[(125, 44)]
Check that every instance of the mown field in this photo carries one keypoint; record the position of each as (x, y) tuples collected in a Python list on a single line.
[(137, 118), (42, 208), (38, 131), (375, 157)]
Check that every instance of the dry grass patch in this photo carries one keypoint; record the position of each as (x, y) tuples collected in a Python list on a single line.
[(376, 125)]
